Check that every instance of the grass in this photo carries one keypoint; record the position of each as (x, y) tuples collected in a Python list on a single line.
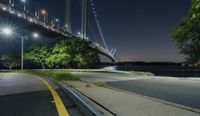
[(132, 73), (54, 75), (137, 73), (99, 84)]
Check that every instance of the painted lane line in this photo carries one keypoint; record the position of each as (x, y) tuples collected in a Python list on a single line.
[(62, 111)]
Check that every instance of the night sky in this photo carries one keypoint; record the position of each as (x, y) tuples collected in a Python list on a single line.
[(139, 29)]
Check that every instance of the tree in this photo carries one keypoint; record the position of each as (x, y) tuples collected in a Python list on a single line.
[(10, 61), (59, 57), (64, 53), (187, 34), (82, 55), (73, 53), (38, 55)]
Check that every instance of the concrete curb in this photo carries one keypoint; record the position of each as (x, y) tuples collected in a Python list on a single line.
[(157, 100), (83, 103)]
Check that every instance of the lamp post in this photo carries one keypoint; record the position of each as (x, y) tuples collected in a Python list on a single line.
[(7, 31), (34, 35)]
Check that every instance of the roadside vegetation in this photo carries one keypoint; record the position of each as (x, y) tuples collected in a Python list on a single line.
[(186, 35), (60, 54), (137, 73), (54, 75), (64, 53)]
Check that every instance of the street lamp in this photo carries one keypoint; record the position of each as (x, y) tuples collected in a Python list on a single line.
[(9, 32)]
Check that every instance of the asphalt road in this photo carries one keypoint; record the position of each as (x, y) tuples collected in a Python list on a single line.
[(25, 95), (180, 91)]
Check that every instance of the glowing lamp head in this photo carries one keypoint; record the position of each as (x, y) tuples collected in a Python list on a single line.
[(7, 31), (35, 35)]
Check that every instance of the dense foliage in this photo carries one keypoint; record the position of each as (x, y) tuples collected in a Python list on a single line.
[(187, 34), (10, 61), (38, 55), (64, 53)]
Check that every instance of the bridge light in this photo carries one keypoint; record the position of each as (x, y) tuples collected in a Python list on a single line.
[(12, 12), (79, 33), (57, 20), (44, 12), (23, 1), (4, 8), (19, 15), (30, 20)]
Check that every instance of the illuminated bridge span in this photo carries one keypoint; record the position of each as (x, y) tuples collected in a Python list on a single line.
[(37, 17)]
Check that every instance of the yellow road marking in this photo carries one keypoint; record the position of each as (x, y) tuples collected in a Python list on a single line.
[(62, 111)]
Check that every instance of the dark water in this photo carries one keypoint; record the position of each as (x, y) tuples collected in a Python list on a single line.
[(176, 71)]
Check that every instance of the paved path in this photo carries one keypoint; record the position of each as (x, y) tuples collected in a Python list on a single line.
[(105, 77), (180, 91), (177, 91), (124, 104), (26, 95)]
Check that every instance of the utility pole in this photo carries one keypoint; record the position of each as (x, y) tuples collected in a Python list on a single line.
[(84, 18), (68, 16)]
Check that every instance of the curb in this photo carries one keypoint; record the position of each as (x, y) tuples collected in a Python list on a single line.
[(83, 103)]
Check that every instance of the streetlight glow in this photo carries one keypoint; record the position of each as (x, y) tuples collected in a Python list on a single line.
[(7, 31), (35, 35)]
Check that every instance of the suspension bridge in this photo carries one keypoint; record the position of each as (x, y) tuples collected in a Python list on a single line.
[(31, 14)]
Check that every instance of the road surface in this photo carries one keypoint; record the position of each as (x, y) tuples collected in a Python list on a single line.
[(26, 95), (180, 91)]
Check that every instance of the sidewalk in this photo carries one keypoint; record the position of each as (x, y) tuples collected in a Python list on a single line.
[(124, 104)]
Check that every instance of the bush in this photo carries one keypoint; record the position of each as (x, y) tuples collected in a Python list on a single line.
[(54, 75)]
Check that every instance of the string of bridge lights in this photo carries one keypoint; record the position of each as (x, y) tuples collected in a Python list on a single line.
[(98, 23)]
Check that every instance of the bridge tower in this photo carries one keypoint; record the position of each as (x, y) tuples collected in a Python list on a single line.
[(68, 16), (84, 18)]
